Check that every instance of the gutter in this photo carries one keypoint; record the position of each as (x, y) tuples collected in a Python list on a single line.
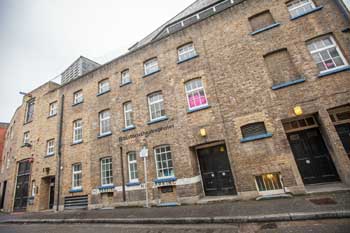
[(59, 154)]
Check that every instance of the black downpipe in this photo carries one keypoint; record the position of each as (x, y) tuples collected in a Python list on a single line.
[(122, 168), (59, 154)]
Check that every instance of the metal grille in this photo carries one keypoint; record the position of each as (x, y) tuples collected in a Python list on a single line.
[(76, 202), (253, 129)]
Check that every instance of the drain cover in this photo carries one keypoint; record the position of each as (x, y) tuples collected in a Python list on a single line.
[(269, 226), (323, 201)]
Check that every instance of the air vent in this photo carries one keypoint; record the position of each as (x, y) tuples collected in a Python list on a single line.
[(76, 202)]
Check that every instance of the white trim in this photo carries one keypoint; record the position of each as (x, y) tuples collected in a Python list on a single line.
[(161, 100), (102, 171), (132, 162), (195, 90), (78, 97), (157, 168), (77, 128), (50, 145), (77, 173), (53, 108), (149, 66), (106, 118), (103, 86), (126, 112)]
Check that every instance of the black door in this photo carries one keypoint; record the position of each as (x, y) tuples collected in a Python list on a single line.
[(344, 134), (3, 194), (22, 186), (216, 171), (52, 192), (312, 157)]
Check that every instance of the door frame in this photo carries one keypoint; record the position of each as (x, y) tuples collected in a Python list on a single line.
[(30, 160), (208, 145), (317, 126)]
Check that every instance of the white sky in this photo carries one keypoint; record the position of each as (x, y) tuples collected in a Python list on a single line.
[(39, 39)]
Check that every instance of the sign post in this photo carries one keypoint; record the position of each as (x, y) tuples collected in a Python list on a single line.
[(144, 155)]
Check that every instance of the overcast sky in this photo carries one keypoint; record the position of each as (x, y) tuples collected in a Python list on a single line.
[(39, 39)]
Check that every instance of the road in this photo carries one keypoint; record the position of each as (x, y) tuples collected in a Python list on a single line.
[(324, 226)]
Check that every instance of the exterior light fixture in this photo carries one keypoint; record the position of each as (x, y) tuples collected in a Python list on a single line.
[(298, 111), (270, 176), (203, 132)]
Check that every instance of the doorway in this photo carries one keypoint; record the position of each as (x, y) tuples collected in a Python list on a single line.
[(22, 186), (3, 194), (310, 152), (216, 171), (340, 117)]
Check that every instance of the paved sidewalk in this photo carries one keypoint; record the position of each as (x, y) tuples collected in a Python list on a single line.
[(316, 206)]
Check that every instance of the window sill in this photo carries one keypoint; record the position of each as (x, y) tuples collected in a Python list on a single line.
[(125, 84), (48, 156), (334, 71), (76, 104), (28, 122), (52, 116), (77, 143), (128, 128), (26, 145), (130, 184), (77, 190), (102, 93), (146, 75), (306, 13), (157, 120), (188, 59), (289, 83), (257, 137), (198, 109), (165, 179), (265, 29), (104, 135), (108, 186)]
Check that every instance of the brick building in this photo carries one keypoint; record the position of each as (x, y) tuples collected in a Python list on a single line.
[(236, 99), (3, 129)]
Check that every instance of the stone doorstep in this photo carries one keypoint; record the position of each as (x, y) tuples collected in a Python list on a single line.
[(326, 188), (215, 199)]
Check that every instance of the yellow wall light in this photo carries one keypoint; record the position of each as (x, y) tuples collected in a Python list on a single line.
[(203, 132), (298, 111)]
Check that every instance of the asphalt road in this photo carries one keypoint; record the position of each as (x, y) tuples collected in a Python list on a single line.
[(324, 226)]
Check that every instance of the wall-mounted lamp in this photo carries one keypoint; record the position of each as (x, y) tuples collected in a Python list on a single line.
[(203, 132), (298, 111)]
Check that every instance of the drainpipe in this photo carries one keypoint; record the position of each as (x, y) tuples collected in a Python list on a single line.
[(123, 178), (343, 9), (59, 154)]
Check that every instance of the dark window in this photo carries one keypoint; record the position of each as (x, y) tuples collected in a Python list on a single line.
[(261, 20), (253, 129), (166, 189), (30, 111)]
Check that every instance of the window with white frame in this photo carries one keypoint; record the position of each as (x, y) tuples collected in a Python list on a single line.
[(26, 137), (103, 86), (195, 93), (106, 171), (8, 160), (128, 115), (78, 97), (53, 109), (105, 122), (164, 162), (77, 131), (132, 167), (125, 76), (50, 147), (76, 176), (300, 7), (156, 106), (186, 52), (326, 54), (269, 183), (151, 66)]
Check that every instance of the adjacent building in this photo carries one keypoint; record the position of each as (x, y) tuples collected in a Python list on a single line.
[(232, 98)]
